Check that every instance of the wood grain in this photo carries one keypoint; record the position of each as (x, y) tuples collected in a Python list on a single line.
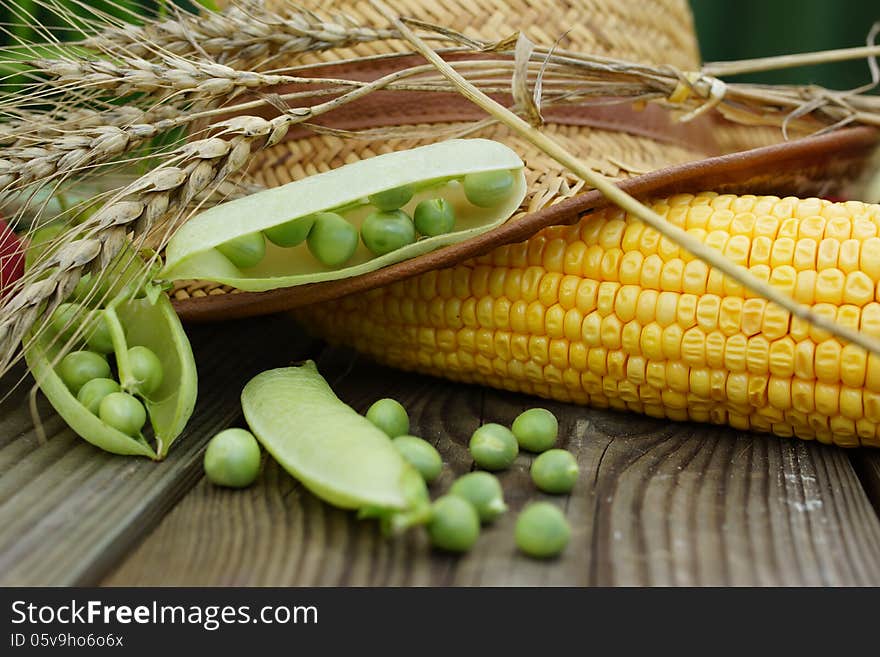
[(867, 465), (657, 504), (70, 511)]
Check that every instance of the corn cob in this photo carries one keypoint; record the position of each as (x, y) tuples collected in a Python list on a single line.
[(606, 312)]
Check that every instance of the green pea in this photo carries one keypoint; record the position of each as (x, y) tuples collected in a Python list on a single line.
[(232, 459), (487, 189), (421, 455), (555, 471), (66, 319), (390, 416), (483, 491), (434, 216), (94, 391), (122, 412), (244, 251), (98, 336), (535, 429), (493, 447), (42, 241), (332, 239), (91, 288), (454, 524), (146, 368), (83, 287), (290, 233), (79, 367), (542, 530), (384, 232), (392, 199)]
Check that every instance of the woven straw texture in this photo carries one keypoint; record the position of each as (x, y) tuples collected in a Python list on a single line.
[(656, 32), (650, 31)]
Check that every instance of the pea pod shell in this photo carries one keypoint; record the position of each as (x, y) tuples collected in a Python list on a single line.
[(39, 356), (157, 326), (336, 453), (191, 253)]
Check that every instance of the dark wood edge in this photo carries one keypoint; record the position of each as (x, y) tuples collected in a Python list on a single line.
[(738, 169)]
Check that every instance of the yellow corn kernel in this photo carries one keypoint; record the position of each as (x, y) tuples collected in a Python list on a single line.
[(607, 312)]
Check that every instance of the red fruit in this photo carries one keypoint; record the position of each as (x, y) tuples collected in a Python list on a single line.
[(11, 258)]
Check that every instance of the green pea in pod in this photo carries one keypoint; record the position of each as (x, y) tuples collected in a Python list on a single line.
[(453, 173), (145, 320)]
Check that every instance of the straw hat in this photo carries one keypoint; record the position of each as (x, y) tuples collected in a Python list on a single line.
[(645, 149)]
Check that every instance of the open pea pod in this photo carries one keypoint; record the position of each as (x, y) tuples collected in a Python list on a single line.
[(435, 171), (134, 317)]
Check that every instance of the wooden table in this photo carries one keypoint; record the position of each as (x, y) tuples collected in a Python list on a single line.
[(658, 503)]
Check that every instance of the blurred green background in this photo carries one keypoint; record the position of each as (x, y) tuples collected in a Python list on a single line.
[(742, 29), (727, 29)]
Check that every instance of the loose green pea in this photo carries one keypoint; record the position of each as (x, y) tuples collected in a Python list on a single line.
[(122, 412), (332, 239), (390, 416), (290, 233), (146, 368), (384, 232), (535, 429), (488, 188), (542, 530), (454, 524), (421, 455), (434, 216), (493, 447), (392, 199), (93, 392), (232, 459), (483, 491), (79, 367), (555, 471), (244, 251)]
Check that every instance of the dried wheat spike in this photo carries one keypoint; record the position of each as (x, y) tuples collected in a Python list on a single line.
[(247, 31), (175, 76), (159, 198), (68, 153), (30, 128)]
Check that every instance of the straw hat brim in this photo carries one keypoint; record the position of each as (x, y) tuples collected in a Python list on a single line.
[(809, 166)]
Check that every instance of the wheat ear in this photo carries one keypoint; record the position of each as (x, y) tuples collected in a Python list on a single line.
[(244, 32)]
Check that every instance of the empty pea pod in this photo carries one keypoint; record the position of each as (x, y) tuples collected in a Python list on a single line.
[(435, 171), (144, 323), (332, 450)]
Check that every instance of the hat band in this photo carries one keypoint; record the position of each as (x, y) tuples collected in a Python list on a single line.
[(383, 108)]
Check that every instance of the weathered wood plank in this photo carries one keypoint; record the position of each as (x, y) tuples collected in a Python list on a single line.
[(867, 464), (70, 511), (716, 507), (658, 503)]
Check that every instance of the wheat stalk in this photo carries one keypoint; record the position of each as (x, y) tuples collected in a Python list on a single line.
[(26, 128), (244, 32), (176, 76), (158, 199)]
